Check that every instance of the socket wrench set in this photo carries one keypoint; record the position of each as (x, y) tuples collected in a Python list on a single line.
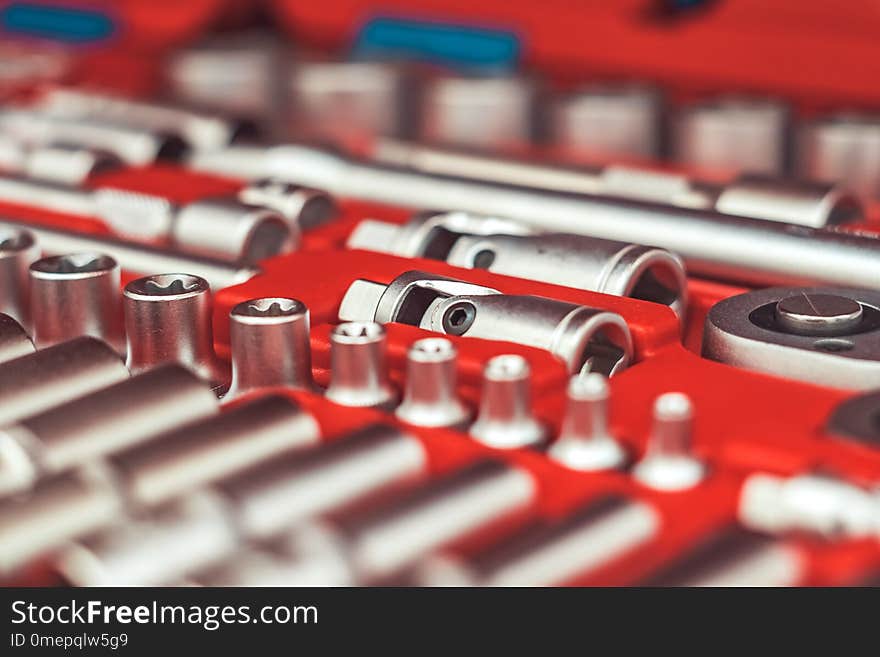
[(370, 305)]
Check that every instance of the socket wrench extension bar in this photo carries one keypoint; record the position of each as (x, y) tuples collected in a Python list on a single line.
[(712, 244), (760, 197), (135, 258)]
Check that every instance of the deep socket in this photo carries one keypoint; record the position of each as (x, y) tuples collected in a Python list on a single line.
[(203, 452), (102, 423), (76, 294), (168, 320), (135, 258), (358, 375), (258, 504), (269, 341), (33, 383)]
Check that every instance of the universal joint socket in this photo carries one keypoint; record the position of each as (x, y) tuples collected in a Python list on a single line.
[(585, 339), (269, 339), (502, 246), (168, 320), (505, 420), (357, 366), (429, 398), (76, 294)]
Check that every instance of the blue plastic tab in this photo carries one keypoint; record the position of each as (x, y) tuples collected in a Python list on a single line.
[(56, 22), (457, 46)]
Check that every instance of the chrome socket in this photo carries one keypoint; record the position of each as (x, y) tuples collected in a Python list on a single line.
[(668, 464), (76, 294), (429, 396), (36, 382), (14, 341), (269, 339), (505, 419), (18, 249), (586, 442), (742, 134), (304, 208), (135, 258), (585, 339), (168, 320), (358, 375), (101, 423), (610, 121)]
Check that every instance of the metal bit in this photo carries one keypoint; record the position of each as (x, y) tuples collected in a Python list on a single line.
[(168, 320), (76, 294), (54, 375), (357, 365), (551, 554), (429, 397), (269, 339), (207, 451), (99, 424), (505, 419), (586, 442), (14, 341), (18, 249), (192, 532), (668, 464), (135, 258)]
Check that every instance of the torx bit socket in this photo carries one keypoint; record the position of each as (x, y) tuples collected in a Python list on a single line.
[(269, 341), (104, 422), (33, 383), (429, 396), (586, 442), (668, 464), (18, 249), (505, 419), (134, 258), (14, 341), (203, 452), (76, 294), (168, 320), (358, 374)]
